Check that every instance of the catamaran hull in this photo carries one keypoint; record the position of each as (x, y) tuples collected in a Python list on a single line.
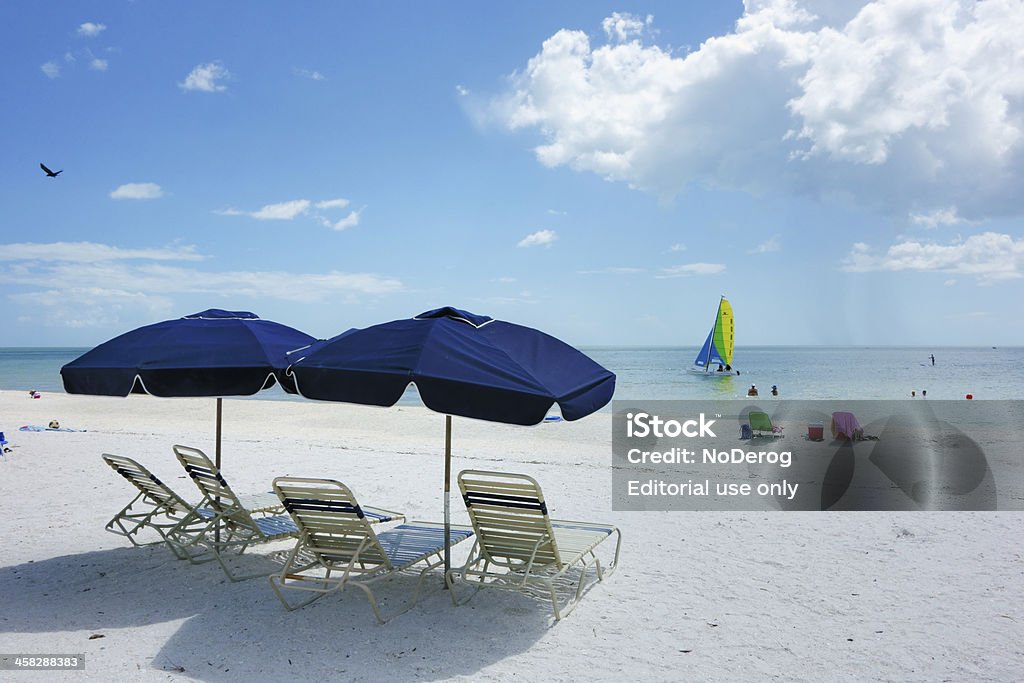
[(711, 373)]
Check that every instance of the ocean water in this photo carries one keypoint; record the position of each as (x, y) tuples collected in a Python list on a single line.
[(818, 372), (659, 373), (646, 373)]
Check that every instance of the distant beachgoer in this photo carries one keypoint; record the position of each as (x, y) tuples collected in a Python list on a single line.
[(924, 393), (34, 394), (752, 391), (54, 424), (913, 394), (775, 390), (933, 359)]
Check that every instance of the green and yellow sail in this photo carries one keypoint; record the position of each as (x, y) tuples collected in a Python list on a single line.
[(718, 346)]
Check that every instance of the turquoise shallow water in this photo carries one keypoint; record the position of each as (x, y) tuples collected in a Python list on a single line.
[(801, 372), (816, 372)]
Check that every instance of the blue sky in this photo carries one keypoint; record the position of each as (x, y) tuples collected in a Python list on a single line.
[(845, 173)]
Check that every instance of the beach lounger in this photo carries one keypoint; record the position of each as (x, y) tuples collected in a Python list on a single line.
[(160, 508), (220, 522), (762, 425), (338, 546), (518, 547), (846, 426), (156, 507)]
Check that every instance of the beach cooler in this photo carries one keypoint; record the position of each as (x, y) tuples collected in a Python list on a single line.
[(816, 431)]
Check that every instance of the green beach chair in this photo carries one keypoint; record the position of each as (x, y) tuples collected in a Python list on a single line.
[(339, 547), (762, 425), (518, 547)]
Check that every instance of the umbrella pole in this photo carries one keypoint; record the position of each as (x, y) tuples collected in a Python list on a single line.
[(447, 494), (220, 407)]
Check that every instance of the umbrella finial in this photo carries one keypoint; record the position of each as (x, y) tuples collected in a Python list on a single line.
[(456, 314)]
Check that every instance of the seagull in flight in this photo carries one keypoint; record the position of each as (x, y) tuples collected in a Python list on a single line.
[(49, 173)]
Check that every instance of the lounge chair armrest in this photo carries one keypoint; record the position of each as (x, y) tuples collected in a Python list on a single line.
[(392, 515), (586, 526), (544, 538)]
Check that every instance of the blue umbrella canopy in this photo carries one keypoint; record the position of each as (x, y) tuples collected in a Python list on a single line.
[(211, 353), (461, 363)]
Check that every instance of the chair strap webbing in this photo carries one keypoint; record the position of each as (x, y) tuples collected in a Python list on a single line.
[(198, 472), (317, 505), (522, 502)]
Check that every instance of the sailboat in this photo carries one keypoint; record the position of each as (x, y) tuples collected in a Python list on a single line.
[(717, 350)]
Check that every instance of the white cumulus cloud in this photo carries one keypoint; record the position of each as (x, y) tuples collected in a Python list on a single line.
[(206, 77), (933, 219), (622, 26), (91, 30), (988, 256), (92, 252), (333, 204), (60, 280), (901, 105), (691, 269), (349, 221), (540, 238), (284, 211), (137, 191), (51, 69)]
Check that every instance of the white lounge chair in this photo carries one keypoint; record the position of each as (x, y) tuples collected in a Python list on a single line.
[(338, 546), (156, 506), (221, 522), (518, 547)]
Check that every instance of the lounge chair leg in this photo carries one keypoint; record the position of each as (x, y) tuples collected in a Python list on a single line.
[(276, 581), (451, 574), (373, 601)]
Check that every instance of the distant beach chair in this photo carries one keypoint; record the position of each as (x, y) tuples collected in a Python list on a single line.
[(338, 546), (3, 445), (221, 522), (518, 547), (845, 426), (762, 425), (160, 508), (156, 507)]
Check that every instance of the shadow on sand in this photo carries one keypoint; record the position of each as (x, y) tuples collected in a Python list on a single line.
[(232, 630)]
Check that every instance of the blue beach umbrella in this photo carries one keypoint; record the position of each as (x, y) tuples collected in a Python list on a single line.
[(462, 364), (211, 353)]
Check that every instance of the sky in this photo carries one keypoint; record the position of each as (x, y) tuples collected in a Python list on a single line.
[(845, 173)]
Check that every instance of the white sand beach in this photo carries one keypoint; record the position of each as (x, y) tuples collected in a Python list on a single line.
[(804, 596)]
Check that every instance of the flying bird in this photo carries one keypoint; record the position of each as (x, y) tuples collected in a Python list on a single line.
[(49, 173)]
